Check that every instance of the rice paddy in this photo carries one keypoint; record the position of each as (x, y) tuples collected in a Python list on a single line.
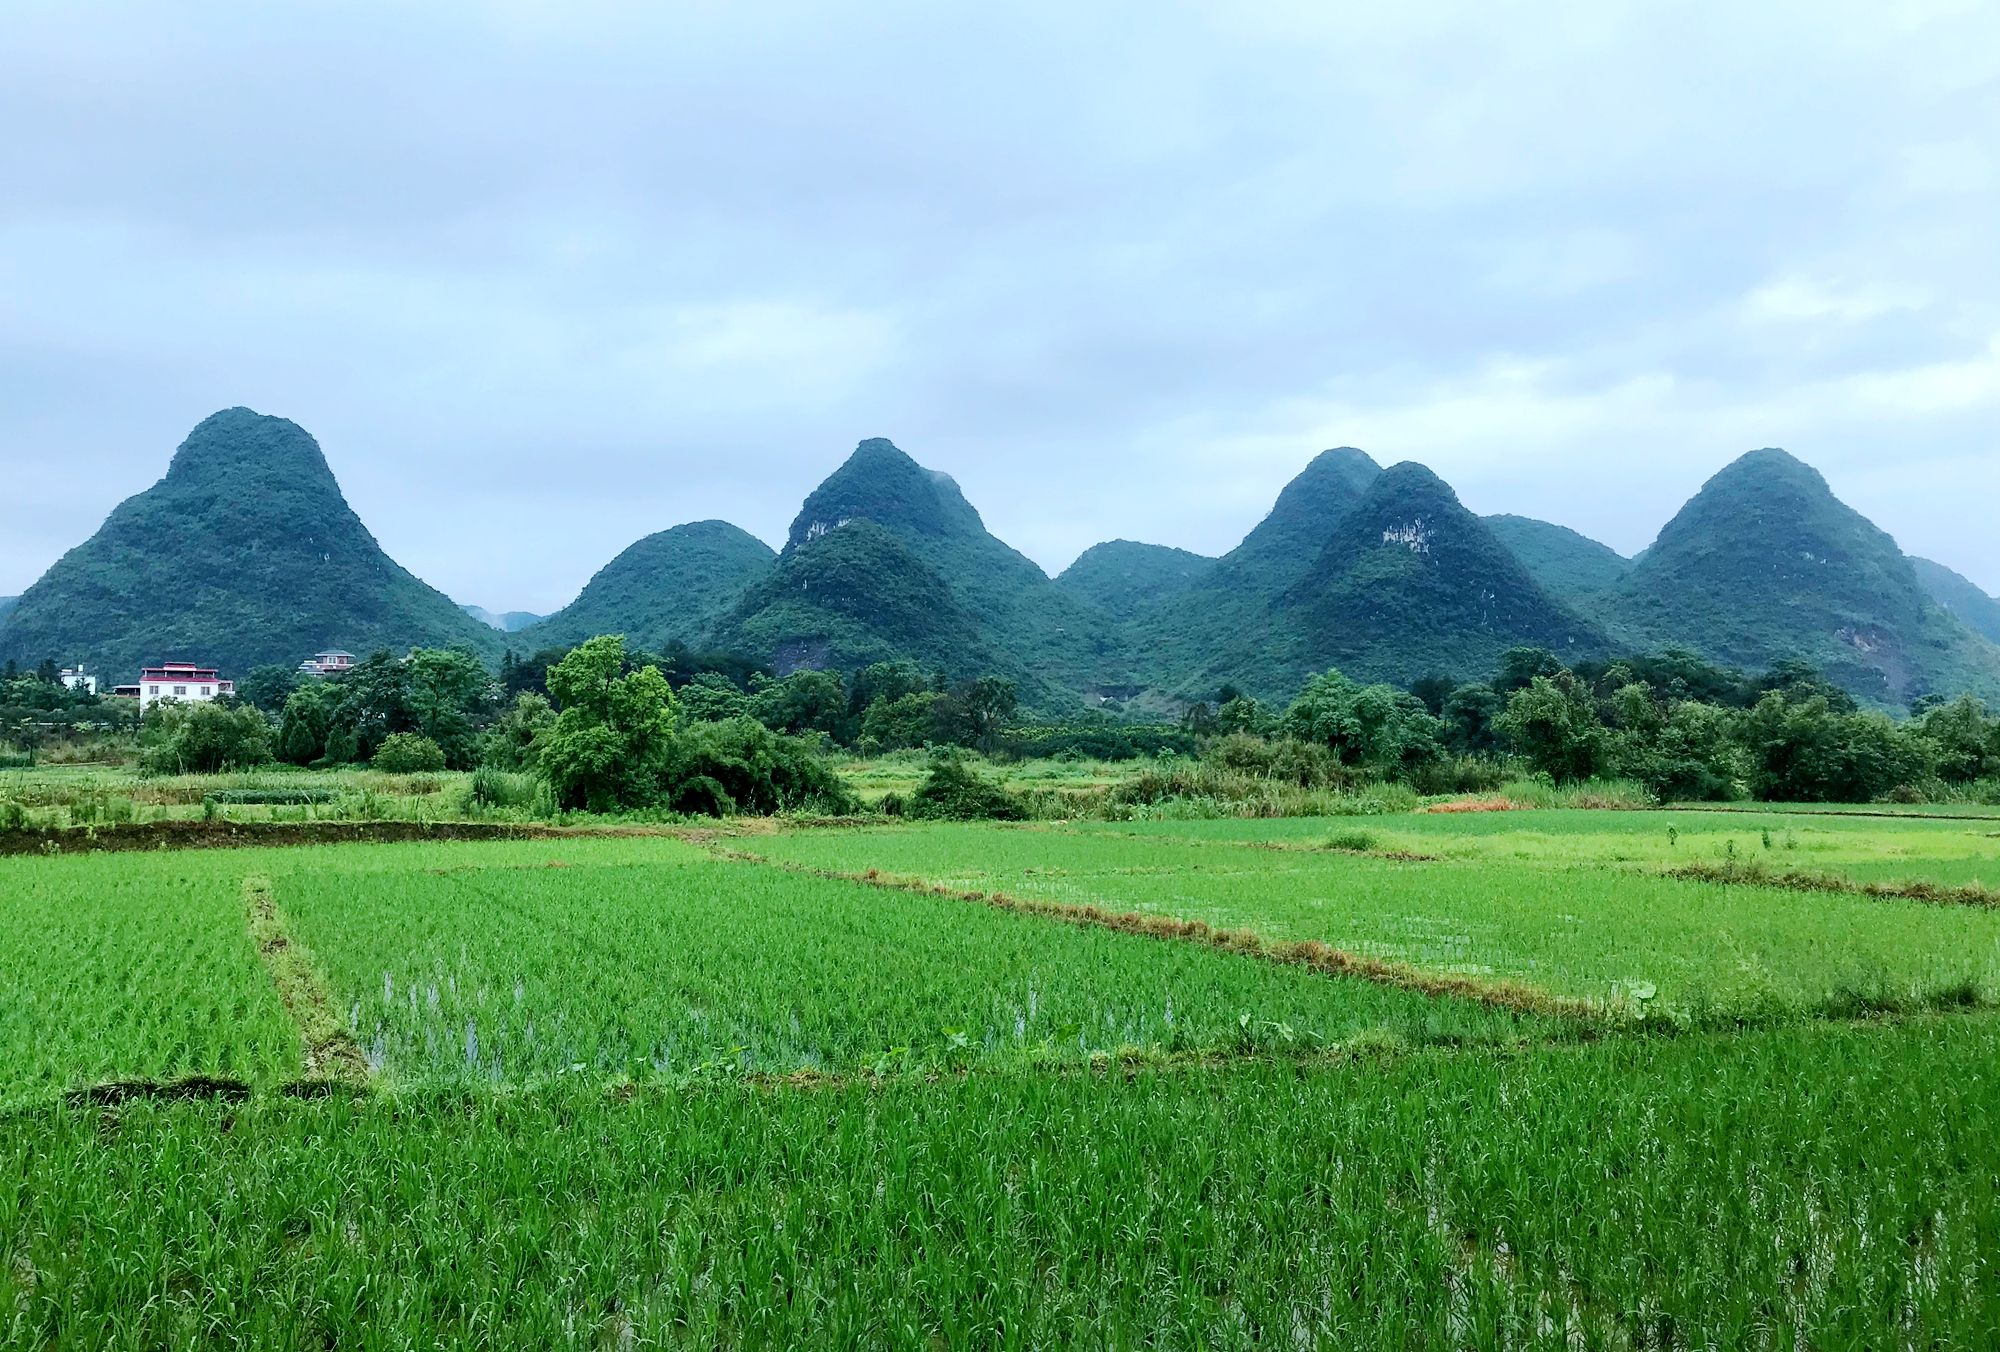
[(1186, 1085)]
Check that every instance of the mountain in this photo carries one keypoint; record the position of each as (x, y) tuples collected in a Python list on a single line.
[(1123, 577), (7, 603), (1569, 565), (1409, 583), (1765, 563), (1177, 641), (506, 621), (671, 587), (922, 578), (1959, 596), (245, 553)]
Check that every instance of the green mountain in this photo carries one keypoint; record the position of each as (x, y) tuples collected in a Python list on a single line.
[(1961, 597), (245, 553), (506, 621), (1409, 584), (927, 580), (7, 603), (1123, 577), (1569, 565), (1764, 564), (1178, 641), (671, 587)]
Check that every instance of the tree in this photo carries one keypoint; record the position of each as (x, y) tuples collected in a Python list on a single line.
[(805, 701), (514, 740), (1810, 751), (1377, 727), (1552, 723), (1520, 666), (267, 687), (1469, 713), (446, 696), (1433, 690), (1967, 743), (202, 738), (888, 681), (739, 765), (408, 753), (307, 724), (610, 746), (973, 713), (896, 724)]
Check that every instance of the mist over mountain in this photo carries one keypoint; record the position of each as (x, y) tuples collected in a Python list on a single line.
[(506, 621), (246, 552), (1765, 563)]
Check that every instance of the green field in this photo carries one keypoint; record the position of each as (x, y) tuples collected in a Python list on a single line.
[(642, 1091)]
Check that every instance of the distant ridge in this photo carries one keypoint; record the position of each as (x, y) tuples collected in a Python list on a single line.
[(1124, 577), (507, 621), (1960, 597), (245, 553), (1567, 563), (670, 587)]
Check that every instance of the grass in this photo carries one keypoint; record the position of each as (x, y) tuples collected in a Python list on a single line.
[(1832, 1188), (1692, 950), (110, 972), (622, 1092)]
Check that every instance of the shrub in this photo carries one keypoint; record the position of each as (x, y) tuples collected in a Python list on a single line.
[(497, 789), (183, 739), (953, 792), (407, 753), (748, 768)]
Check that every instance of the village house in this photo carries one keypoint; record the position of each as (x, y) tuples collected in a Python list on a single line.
[(76, 678), (326, 664), (181, 681)]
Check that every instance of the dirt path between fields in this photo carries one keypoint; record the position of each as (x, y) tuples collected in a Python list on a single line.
[(330, 1053)]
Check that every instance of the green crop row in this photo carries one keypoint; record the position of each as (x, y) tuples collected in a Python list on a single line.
[(1830, 1187), (649, 959)]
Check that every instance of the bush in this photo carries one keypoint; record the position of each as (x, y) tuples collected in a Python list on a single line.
[(271, 797), (407, 753), (497, 789), (184, 739), (952, 792), (739, 765)]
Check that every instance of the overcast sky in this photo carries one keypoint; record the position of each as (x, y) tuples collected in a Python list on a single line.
[(543, 278)]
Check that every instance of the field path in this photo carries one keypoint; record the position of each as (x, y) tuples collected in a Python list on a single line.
[(331, 1055)]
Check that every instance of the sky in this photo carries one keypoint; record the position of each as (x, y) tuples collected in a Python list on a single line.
[(545, 278)]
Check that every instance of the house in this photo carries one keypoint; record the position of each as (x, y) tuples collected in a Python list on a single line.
[(75, 678), (182, 681), (326, 664)]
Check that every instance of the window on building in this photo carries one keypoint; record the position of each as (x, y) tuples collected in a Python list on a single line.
[(152, 690), (180, 690), (207, 691)]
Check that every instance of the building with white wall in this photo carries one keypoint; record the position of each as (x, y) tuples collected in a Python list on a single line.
[(183, 681)]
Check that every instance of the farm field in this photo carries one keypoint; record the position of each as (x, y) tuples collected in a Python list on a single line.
[(643, 1090), (1703, 950)]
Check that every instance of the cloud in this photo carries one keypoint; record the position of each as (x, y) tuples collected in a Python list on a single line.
[(570, 274)]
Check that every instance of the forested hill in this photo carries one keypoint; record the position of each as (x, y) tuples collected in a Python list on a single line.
[(245, 553), (1766, 564), (925, 579), (1961, 597), (670, 588)]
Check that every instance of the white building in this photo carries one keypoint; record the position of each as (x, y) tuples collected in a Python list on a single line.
[(182, 681), (76, 678)]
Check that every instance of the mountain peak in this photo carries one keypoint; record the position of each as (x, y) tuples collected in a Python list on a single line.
[(1309, 508), (241, 441), (879, 482)]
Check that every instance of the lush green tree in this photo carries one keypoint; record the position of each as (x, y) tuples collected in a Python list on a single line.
[(805, 701), (908, 720), (611, 745), (513, 742), (739, 765), (1811, 751), (1377, 726), (1469, 714), (1433, 691), (406, 753), (202, 738), (974, 713), (1520, 666), (1552, 723), (953, 791), (711, 698), (447, 696), (267, 687), (1240, 713), (1967, 742), (308, 723), (889, 681)]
